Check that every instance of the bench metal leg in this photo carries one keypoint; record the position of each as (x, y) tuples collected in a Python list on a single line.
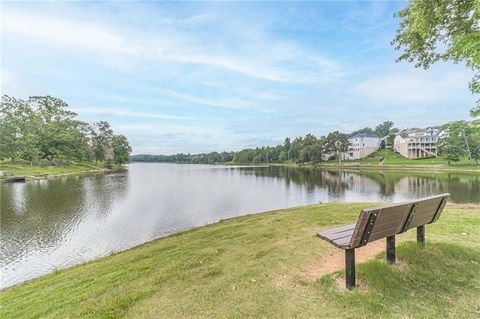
[(350, 268), (391, 249), (421, 235)]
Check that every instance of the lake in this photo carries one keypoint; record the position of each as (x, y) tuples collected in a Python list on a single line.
[(50, 224)]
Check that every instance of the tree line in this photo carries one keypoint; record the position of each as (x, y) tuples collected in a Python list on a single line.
[(43, 127), (459, 139), (456, 140), (308, 149)]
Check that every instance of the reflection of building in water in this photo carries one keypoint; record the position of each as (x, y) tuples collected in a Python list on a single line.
[(336, 184), (463, 188), (339, 182), (416, 187), (361, 183)]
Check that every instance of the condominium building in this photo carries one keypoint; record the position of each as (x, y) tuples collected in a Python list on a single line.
[(362, 145), (416, 143)]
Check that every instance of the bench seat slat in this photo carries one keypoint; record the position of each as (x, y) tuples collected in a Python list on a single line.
[(342, 242), (337, 230), (338, 235), (343, 234)]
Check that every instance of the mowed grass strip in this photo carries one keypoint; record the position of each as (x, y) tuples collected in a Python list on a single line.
[(28, 170), (254, 266), (394, 160)]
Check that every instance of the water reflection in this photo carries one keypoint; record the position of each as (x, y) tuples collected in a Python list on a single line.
[(54, 223), (463, 187), (38, 217)]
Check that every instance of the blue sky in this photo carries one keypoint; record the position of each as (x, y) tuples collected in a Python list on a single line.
[(212, 76)]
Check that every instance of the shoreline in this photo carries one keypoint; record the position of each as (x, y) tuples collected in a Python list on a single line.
[(41, 176), (350, 166)]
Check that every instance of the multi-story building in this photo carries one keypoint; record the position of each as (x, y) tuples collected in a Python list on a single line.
[(416, 143), (362, 145)]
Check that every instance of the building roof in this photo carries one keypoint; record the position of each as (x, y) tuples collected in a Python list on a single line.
[(363, 135), (408, 131)]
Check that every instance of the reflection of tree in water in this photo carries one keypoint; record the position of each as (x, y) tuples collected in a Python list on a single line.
[(103, 190), (336, 183), (462, 187), (37, 215)]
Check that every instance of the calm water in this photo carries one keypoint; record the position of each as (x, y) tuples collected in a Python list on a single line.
[(55, 223)]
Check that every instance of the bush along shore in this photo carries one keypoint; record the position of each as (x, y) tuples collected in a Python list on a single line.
[(268, 265)]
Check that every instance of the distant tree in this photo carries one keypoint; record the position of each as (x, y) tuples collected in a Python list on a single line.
[(56, 129), (451, 142), (336, 142), (121, 149), (302, 156), (382, 144), (383, 129), (315, 153), (391, 136), (360, 131), (101, 135), (43, 127), (475, 141), (17, 120), (431, 30)]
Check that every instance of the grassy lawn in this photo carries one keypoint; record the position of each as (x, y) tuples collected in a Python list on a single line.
[(393, 159), (254, 266), (25, 169)]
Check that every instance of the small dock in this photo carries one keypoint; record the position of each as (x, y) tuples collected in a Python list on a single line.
[(15, 179)]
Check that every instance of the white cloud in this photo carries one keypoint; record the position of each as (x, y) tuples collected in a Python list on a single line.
[(269, 59), (145, 129), (415, 86), (63, 32), (7, 78), (125, 113)]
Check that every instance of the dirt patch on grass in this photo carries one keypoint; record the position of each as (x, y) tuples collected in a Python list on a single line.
[(334, 260)]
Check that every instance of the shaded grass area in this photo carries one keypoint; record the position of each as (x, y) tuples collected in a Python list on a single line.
[(25, 169), (254, 266)]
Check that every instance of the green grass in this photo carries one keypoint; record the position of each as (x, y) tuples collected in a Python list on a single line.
[(25, 169), (395, 160), (254, 266)]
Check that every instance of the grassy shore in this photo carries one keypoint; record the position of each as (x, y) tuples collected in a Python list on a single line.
[(39, 171), (388, 160), (256, 266)]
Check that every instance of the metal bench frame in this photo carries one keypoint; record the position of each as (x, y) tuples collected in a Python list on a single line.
[(384, 222)]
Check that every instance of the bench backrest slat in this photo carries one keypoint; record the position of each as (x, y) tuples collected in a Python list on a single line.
[(380, 222)]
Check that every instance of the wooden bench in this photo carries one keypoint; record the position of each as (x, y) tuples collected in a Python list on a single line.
[(384, 222)]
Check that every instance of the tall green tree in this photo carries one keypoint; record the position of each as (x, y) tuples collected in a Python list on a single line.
[(57, 130), (475, 141), (101, 135), (16, 125), (121, 149), (336, 142), (383, 129), (452, 141), (43, 127), (433, 30)]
